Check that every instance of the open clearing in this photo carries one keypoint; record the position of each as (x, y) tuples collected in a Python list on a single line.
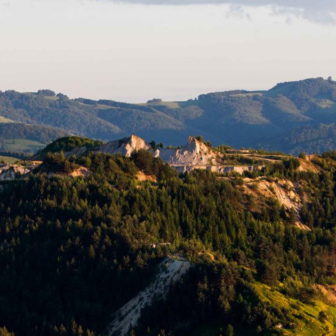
[(21, 145)]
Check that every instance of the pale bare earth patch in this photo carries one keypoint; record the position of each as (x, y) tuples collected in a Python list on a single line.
[(141, 176), (127, 317), (306, 165), (80, 172), (329, 291), (208, 255)]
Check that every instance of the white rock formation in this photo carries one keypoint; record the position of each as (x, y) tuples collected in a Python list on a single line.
[(194, 155), (195, 152), (125, 146), (9, 172)]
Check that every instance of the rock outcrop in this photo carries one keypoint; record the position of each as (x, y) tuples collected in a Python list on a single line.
[(171, 270), (11, 172), (125, 146), (284, 191), (194, 155)]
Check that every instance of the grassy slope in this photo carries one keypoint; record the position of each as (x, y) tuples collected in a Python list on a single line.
[(8, 159), (305, 317), (172, 105), (19, 145)]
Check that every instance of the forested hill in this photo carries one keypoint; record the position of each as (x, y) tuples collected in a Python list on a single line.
[(236, 118), (82, 236), (24, 138)]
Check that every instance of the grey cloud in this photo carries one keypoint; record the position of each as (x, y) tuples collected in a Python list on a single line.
[(314, 10)]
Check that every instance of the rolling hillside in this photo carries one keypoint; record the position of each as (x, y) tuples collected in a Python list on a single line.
[(236, 118), (19, 137)]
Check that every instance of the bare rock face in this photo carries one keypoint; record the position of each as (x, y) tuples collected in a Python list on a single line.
[(194, 153), (11, 172), (125, 146), (171, 270), (76, 151)]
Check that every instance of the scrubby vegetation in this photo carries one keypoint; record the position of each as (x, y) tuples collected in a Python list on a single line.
[(67, 144)]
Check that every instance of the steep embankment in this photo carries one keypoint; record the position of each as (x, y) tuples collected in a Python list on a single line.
[(284, 191), (170, 271)]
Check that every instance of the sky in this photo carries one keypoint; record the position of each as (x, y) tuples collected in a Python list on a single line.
[(136, 50)]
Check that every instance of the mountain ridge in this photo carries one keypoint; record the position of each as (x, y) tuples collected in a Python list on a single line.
[(238, 118)]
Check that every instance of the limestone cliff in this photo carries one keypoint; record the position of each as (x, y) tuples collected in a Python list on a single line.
[(194, 155), (125, 146)]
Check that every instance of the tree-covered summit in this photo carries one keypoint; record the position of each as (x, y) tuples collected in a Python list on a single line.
[(73, 250)]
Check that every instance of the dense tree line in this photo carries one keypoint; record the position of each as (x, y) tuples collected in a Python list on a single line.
[(74, 250), (47, 109), (66, 144), (31, 132), (17, 155), (10, 132)]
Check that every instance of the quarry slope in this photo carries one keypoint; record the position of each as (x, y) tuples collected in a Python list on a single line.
[(194, 155)]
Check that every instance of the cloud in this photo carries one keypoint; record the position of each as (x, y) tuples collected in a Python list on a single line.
[(322, 11)]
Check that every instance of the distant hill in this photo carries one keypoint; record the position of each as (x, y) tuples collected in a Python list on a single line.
[(236, 118), (17, 137), (308, 139)]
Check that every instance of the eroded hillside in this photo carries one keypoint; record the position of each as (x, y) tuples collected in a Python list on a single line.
[(289, 195), (126, 318)]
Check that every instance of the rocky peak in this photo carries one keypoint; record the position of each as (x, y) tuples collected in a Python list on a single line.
[(125, 146), (137, 143), (195, 146)]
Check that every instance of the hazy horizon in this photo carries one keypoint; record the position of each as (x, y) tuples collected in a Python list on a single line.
[(172, 100), (134, 50)]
